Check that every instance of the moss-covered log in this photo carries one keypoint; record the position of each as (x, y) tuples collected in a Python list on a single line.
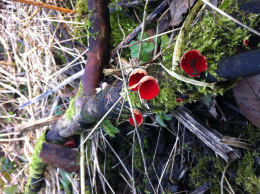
[(84, 111)]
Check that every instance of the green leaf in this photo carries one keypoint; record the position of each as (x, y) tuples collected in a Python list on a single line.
[(164, 40), (110, 129), (165, 116), (147, 48), (160, 121), (11, 190), (161, 117)]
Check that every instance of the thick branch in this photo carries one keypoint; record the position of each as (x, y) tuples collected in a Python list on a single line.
[(88, 110), (60, 157), (98, 54)]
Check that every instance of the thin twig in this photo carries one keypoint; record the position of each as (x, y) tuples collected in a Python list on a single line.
[(48, 6), (82, 165), (143, 27)]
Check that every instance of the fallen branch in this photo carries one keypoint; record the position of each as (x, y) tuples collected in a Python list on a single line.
[(60, 157), (206, 136)]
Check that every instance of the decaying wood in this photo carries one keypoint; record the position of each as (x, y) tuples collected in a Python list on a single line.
[(59, 157), (88, 110), (206, 136), (98, 53)]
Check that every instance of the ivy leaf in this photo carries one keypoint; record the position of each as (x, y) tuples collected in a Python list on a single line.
[(164, 40), (161, 117), (110, 129), (147, 47)]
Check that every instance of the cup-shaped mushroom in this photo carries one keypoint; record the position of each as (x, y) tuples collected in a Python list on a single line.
[(138, 117), (148, 88), (135, 77), (193, 63)]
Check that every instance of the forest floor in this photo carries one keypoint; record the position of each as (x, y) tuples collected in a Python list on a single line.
[(199, 135)]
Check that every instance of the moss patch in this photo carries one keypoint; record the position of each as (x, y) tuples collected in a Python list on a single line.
[(216, 37), (70, 112), (36, 166), (246, 176)]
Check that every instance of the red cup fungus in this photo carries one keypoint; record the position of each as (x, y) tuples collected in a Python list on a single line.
[(135, 77), (246, 42), (148, 88), (193, 63), (179, 100), (138, 117), (70, 143)]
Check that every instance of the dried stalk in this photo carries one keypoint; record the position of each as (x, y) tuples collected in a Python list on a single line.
[(43, 5)]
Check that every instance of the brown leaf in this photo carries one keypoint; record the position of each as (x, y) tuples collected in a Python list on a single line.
[(247, 95), (178, 8)]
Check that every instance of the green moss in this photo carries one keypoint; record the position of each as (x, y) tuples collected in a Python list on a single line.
[(252, 134), (208, 169), (70, 112), (119, 22), (36, 166), (82, 31), (246, 176), (216, 37)]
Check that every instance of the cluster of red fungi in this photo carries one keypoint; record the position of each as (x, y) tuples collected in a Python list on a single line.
[(147, 87), (192, 63)]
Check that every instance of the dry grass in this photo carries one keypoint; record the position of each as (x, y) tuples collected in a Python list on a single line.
[(30, 40)]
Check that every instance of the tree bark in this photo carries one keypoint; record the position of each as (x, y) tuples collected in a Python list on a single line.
[(98, 53), (60, 157)]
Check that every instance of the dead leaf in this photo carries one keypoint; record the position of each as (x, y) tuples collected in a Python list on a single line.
[(247, 95), (178, 8)]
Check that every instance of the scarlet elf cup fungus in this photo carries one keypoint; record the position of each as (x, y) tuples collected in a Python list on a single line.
[(148, 88), (193, 63), (135, 77), (138, 117)]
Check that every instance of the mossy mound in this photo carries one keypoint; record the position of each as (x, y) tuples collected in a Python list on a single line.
[(216, 37)]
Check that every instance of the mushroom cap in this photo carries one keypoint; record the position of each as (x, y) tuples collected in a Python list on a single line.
[(246, 42), (134, 78), (193, 63), (138, 117), (179, 100), (148, 88)]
